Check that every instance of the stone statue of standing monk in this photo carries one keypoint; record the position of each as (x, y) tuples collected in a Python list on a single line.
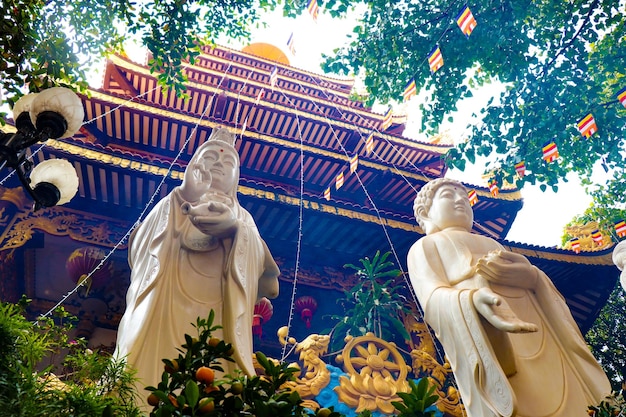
[(197, 250), (511, 340)]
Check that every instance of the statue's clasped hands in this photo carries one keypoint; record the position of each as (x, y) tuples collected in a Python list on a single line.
[(507, 268), (211, 217)]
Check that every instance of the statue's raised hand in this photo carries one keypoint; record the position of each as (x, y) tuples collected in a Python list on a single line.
[(196, 183)]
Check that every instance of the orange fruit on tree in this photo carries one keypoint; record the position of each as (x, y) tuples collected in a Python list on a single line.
[(172, 368), (236, 388), (210, 388), (153, 400), (205, 375), (214, 341), (206, 405)]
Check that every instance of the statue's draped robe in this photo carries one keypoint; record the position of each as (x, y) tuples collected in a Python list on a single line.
[(548, 373), (167, 293)]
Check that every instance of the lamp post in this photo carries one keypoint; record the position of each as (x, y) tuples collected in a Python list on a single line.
[(54, 113)]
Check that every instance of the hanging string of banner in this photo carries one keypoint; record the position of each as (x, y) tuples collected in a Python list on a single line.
[(467, 23)]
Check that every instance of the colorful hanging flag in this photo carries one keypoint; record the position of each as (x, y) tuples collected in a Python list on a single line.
[(621, 96), (466, 21), (259, 97), (313, 9), (520, 168), (369, 143), (339, 181), (493, 188), (596, 235), (575, 244), (327, 194), (435, 59), (273, 76), (550, 152), (354, 163), (410, 90), (587, 126), (291, 45), (386, 120), (473, 197), (620, 228)]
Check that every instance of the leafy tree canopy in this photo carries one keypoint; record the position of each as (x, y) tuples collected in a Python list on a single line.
[(558, 61), (607, 338), (52, 42)]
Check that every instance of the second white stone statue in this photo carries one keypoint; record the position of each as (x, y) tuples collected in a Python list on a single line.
[(511, 340)]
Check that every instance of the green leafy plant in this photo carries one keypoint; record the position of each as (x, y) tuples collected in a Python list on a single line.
[(373, 304), (537, 68), (614, 405), (188, 386), (607, 338), (37, 55), (36, 380), (419, 402)]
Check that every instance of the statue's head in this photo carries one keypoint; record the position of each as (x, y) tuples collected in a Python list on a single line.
[(218, 162), (443, 203)]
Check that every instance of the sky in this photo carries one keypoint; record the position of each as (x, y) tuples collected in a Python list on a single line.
[(544, 214)]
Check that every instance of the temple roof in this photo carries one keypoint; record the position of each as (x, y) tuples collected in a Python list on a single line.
[(267, 51), (298, 137)]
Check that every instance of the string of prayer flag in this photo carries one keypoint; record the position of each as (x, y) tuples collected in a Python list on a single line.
[(466, 21), (575, 243), (587, 126), (354, 163), (259, 96), (273, 76), (473, 197), (386, 120), (435, 59), (327, 194), (410, 90), (291, 44), (339, 181), (596, 235), (620, 228), (550, 152), (369, 143), (493, 188), (621, 96), (313, 9), (520, 168)]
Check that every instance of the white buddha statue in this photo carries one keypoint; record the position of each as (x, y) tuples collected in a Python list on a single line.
[(197, 250), (619, 259), (509, 336)]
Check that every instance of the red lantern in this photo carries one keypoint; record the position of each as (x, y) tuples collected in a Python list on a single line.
[(263, 311), (83, 261), (306, 306)]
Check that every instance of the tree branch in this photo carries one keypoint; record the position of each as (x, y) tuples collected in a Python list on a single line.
[(572, 39)]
